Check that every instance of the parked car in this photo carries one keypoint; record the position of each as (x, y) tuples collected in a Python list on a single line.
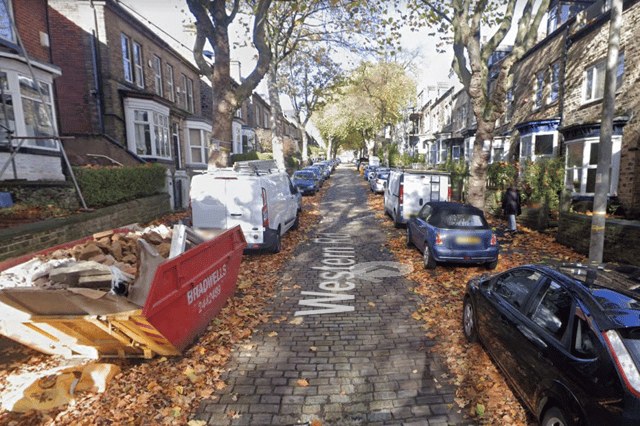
[(408, 190), (453, 232), (567, 337), (368, 170), (306, 181), (318, 171), (254, 194), (379, 181)]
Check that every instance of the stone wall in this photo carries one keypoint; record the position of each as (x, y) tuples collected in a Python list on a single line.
[(38, 236), (622, 237)]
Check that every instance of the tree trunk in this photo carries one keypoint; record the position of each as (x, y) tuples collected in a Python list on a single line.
[(478, 166), (277, 142), (305, 147)]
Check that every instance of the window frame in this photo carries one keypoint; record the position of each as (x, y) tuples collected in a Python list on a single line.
[(8, 27), (554, 82), (170, 85), (160, 139), (581, 173), (183, 89), (157, 72), (205, 131), (127, 57), (593, 86), (539, 92), (138, 64), (190, 99), (19, 99)]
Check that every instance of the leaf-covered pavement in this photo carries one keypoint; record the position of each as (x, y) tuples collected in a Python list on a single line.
[(166, 391), (482, 392)]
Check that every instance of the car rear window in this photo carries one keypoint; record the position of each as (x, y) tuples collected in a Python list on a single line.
[(448, 219), (298, 175)]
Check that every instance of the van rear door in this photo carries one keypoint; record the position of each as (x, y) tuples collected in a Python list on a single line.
[(222, 202)]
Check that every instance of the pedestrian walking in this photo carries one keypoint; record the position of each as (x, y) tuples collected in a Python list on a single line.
[(511, 206)]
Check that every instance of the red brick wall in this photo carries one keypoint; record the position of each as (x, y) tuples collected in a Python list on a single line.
[(31, 19), (71, 51)]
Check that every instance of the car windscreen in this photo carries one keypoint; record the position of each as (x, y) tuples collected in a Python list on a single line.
[(457, 220), (303, 176)]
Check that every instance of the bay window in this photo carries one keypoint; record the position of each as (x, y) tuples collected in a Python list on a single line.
[(23, 111), (147, 124), (582, 164)]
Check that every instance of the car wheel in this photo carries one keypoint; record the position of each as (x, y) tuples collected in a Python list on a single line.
[(556, 417), (396, 224), (296, 223), (409, 243), (491, 265), (277, 244), (427, 257), (469, 321)]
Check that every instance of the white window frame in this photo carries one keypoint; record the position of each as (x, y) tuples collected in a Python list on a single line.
[(183, 89), (190, 103), (157, 71), (138, 69), (593, 87), (202, 148), (170, 86), (19, 100), (582, 178), (455, 152), (127, 57), (528, 143), (159, 128)]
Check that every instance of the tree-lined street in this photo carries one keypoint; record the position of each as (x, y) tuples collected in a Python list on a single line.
[(382, 350)]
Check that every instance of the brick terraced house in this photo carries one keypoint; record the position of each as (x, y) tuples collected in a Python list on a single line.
[(27, 75), (125, 95)]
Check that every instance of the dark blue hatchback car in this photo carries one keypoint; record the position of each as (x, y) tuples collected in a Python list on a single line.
[(452, 232), (567, 337)]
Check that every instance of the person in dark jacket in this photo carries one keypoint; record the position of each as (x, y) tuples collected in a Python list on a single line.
[(511, 206)]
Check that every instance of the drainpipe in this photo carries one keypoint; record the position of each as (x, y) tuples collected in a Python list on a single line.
[(97, 94)]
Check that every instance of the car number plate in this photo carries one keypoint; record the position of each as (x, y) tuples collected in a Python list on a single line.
[(467, 240)]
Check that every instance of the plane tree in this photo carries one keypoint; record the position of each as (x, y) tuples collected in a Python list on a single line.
[(462, 23), (212, 21)]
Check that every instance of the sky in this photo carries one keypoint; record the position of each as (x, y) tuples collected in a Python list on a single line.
[(168, 18)]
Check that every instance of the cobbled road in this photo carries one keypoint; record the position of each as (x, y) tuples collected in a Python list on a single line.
[(345, 350)]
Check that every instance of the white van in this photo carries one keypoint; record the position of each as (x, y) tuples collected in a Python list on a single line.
[(374, 161), (408, 190), (253, 194)]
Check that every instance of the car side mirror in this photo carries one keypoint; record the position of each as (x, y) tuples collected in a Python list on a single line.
[(421, 201)]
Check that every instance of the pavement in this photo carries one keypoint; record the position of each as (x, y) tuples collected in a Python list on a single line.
[(344, 349)]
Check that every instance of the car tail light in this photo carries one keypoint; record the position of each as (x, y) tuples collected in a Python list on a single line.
[(265, 209), (622, 357), (449, 194), (401, 194), (494, 241), (438, 239)]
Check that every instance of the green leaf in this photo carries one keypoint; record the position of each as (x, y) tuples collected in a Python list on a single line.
[(480, 410)]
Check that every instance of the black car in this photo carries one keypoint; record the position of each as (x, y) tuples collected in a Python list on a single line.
[(567, 337)]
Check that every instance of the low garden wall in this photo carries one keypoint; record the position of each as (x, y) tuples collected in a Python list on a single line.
[(31, 237), (622, 237)]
